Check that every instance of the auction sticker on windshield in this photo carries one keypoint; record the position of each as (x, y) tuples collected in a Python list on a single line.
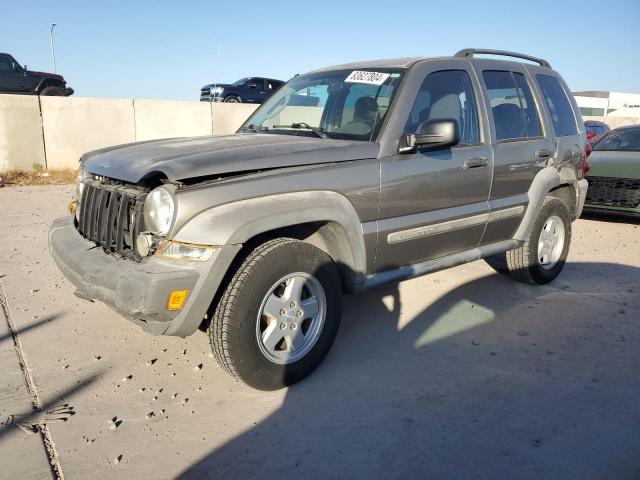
[(372, 78)]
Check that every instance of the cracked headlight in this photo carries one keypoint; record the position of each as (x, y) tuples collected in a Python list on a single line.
[(79, 185), (158, 211)]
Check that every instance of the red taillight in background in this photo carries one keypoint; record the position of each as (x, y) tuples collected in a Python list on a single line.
[(590, 134), (586, 166)]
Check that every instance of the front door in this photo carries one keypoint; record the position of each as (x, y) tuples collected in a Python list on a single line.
[(10, 74), (434, 203)]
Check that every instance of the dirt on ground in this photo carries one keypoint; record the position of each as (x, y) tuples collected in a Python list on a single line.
[(37, 177), (461, 374)]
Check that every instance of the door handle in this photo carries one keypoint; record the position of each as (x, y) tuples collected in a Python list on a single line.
[(477, 162), (543, 153)]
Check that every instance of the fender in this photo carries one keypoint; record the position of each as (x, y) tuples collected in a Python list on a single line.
[(47, 82), (545, 180), (236, 223)]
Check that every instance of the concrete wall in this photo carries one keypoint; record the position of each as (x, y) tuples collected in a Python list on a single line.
[(21, 144), (55, 131), (227, 117), (164, 119), (73, 126)]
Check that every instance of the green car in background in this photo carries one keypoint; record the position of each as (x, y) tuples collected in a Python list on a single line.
[(614, 179)]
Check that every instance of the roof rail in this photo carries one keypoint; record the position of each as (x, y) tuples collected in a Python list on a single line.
[(469, 52)]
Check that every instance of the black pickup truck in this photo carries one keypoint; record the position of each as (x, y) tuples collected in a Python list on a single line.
[(17, 79), (245, 90)]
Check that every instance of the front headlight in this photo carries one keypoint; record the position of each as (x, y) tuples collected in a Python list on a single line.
[(158, 211), (79, 185), (184, 251), (217, 90)]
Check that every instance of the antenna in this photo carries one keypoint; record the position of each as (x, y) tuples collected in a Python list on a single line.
[(215, 79)]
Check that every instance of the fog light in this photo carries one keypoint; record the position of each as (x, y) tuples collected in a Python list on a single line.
[(176, 299), (144, 242)]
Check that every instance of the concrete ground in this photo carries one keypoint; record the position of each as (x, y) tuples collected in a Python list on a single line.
[(460, 374)]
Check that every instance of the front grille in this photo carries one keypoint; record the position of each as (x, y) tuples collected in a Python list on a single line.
[(614, 192), (110, 215)]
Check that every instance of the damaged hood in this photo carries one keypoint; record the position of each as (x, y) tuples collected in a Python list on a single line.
[(187, 158)]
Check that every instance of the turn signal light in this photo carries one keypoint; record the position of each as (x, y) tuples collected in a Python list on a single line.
[(176, 299)]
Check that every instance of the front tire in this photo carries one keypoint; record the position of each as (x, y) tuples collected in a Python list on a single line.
[(232, 99), (542, 257), (279, 315), (53, 92)]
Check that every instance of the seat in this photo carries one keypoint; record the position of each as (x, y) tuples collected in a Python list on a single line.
[(508, 121), (445, 108)]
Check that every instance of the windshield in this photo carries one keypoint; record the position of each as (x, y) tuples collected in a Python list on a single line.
[(341, 104), (623, 140), (239, 83)]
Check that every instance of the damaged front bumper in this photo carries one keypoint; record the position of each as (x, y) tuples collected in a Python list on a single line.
[(139, 291)]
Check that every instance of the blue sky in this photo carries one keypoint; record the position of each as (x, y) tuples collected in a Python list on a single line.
[(167, 49)]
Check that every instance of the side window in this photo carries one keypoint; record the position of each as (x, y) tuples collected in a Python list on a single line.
[(446, 95), (6, 64), (532, 125), (512, 105), (564, 121)]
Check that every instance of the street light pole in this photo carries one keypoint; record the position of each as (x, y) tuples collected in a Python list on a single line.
[(53, 51), (215, 80)]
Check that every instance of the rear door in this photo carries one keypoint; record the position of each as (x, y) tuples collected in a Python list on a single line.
[(521, 148), (434, 203), (270, 86)]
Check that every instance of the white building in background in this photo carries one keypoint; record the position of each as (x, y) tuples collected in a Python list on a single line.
[(603, 104)]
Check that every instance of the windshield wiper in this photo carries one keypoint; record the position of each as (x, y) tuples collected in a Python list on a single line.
[(254, 129), (319, 132)]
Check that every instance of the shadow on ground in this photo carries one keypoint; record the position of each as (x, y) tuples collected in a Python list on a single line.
[(612, 217), (493, 380)]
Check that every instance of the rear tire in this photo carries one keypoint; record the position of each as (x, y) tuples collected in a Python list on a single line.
[(264, 330), (542, 257), (53, 92)]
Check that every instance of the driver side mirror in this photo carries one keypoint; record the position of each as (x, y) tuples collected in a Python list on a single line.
[(433, 135)]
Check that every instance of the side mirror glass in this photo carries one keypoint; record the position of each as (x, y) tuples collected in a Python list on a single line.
[(433, 135)]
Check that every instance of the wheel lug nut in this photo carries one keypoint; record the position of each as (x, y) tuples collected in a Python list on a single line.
[(283, 312), (299, 313), (293, 326), (292, 304), (283, 326)]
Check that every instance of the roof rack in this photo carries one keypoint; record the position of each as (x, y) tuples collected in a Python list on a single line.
[(470, 52)]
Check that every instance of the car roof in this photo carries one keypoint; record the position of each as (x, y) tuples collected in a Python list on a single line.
[(400, 62), (407, 62)]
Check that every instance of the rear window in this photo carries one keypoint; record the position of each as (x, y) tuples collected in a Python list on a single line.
[(564, 121), (597, 129), (622, 140), (512, 105)]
